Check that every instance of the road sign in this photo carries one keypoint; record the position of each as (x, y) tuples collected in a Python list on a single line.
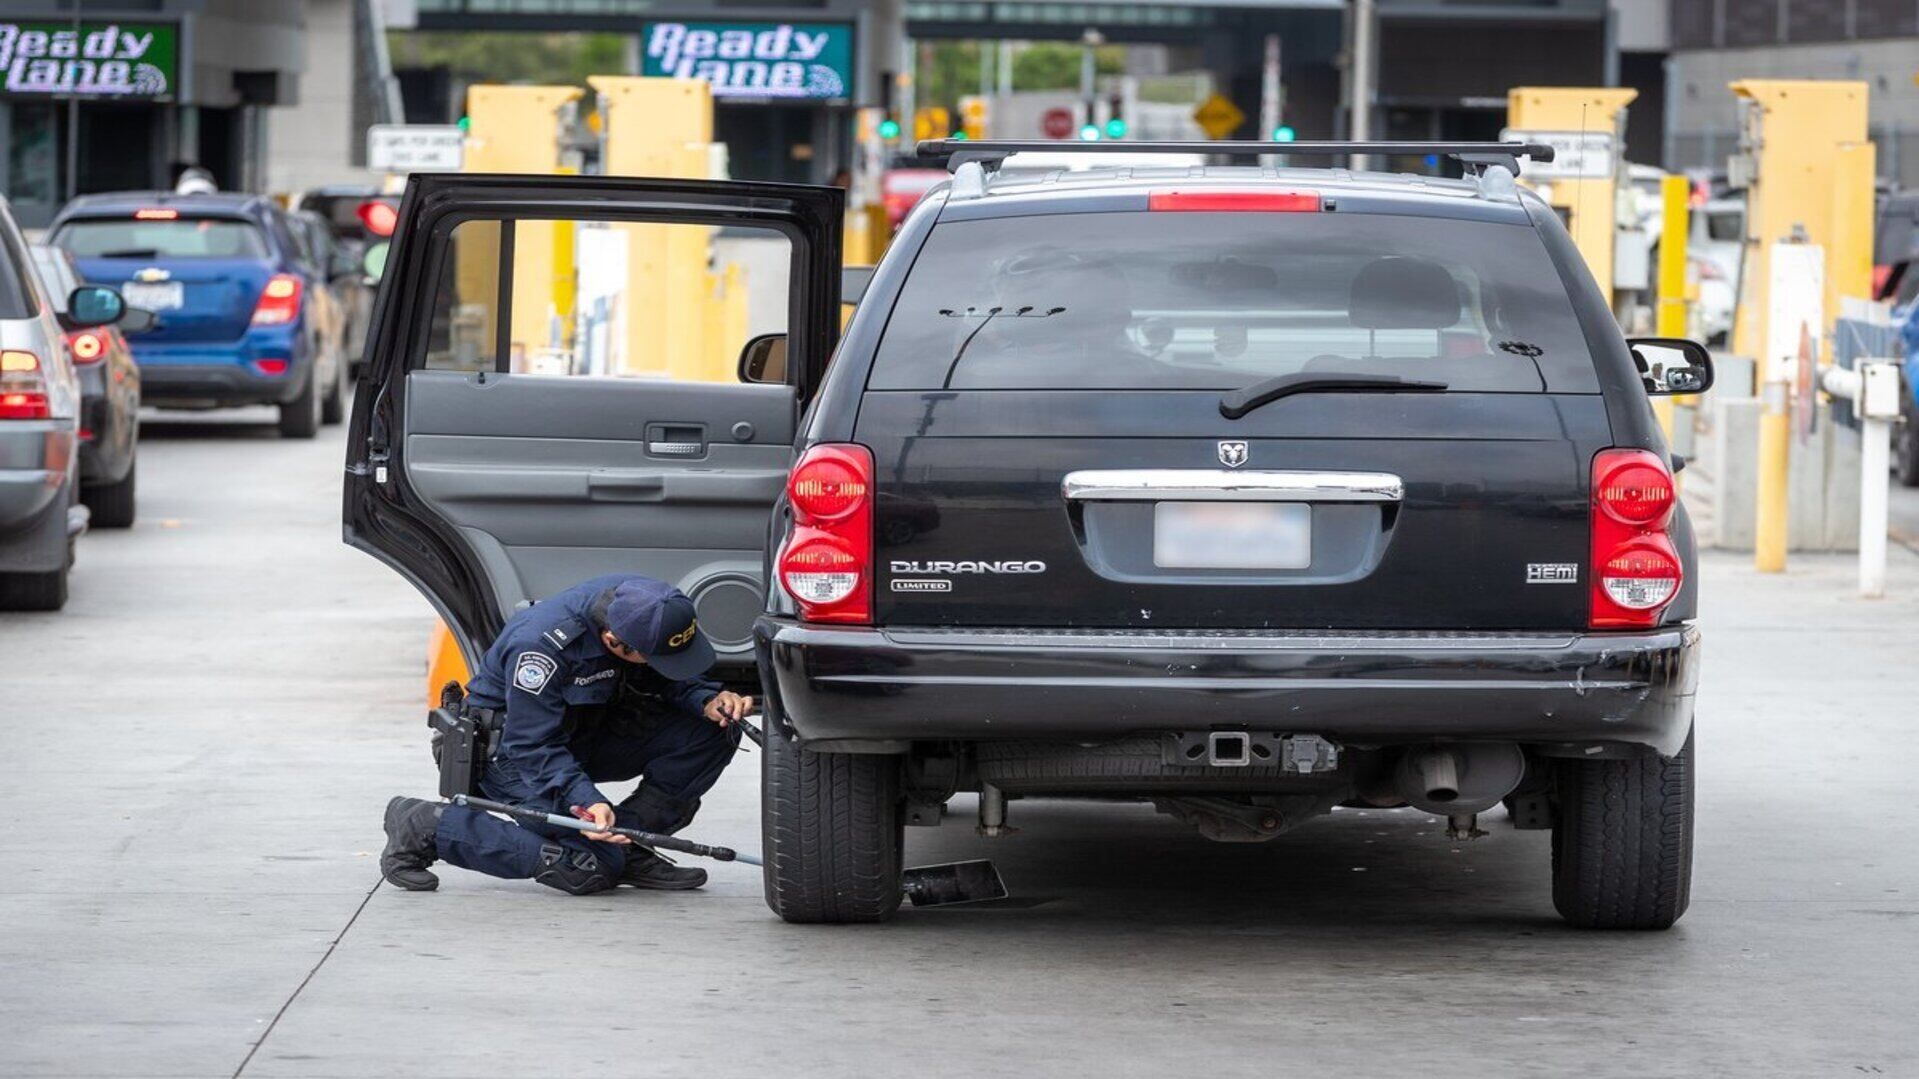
[(415, 147), (1058, 123), (1218, 117), (1577, 155)]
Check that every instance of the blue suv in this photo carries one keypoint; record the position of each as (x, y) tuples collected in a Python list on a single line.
[(245, 316)]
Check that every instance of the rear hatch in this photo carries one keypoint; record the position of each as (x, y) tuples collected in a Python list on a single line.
[(1050, 448), (202, 274)]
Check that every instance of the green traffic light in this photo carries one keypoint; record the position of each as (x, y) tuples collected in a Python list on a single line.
[(1089, 133), (960, 135), (889, 129), (1116, 128), (1283, 133), (466, 124)]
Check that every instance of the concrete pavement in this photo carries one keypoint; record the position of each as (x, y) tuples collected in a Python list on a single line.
[(200, 746)]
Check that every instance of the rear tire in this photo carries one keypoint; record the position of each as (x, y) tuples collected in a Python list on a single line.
[(333, 407), (833, 833), (300, 417), (1622, 846), (112, 504)]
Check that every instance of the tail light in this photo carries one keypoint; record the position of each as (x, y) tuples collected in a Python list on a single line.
[(87, 346), (23, 387), (1635, 567), (279, 301), (827, 563)]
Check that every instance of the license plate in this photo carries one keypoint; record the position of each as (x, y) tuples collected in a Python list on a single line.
[(154, 296), (1232, 535)]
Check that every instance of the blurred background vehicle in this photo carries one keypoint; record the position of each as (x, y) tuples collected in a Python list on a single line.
[(40, 511), (336, 269), (244, 315), (109, 396), (339, 206)]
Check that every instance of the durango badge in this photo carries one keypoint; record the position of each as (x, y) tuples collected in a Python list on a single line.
[(1232, 454)]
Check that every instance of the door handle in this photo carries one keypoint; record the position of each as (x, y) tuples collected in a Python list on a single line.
[(676, 449)]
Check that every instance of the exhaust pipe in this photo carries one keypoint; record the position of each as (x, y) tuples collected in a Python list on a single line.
[(1459, 779), (1438, 773)]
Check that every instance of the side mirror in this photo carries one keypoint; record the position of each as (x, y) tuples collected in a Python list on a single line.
[(1671, 365), (138, 320), (373, 262), (853, 282), (94, 305), (764, 359)]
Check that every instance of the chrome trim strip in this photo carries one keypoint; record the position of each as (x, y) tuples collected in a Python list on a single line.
[(1229, 640), (1218, 485)]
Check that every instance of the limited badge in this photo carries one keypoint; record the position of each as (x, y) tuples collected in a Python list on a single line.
[(531, 670)]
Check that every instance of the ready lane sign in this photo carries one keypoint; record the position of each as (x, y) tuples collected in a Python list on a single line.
[(415, 148), (1577, 155), (811, 61), (116, 59)]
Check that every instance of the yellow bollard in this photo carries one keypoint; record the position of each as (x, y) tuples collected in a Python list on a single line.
[(1775, 440), (1670, 321)]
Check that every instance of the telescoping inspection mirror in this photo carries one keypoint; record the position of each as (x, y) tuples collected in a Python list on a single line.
[(1672, 364)]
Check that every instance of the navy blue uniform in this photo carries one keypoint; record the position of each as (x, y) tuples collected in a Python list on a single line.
[(576, 716)]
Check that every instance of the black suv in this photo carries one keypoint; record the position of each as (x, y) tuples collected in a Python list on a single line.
[(1248, 492)]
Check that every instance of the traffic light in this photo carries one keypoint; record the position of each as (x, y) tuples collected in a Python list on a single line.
[(1116, 128), (1116, 117), (1089, 133), (1283, 133), (889, 129)]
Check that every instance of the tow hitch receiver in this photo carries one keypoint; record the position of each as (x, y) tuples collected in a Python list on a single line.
[(1304, 754)]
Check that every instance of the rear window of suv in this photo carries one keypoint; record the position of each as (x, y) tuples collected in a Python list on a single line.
[(178, 238), (1217, 301)]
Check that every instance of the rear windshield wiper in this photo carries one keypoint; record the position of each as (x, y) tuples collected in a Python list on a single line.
[(130, 253), (1241, 401)]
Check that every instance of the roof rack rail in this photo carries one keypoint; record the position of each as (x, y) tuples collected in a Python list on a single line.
[(991, 153)]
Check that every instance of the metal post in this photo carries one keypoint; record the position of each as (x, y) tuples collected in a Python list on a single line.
[(1365, 77), (1089, 41), (1269, 91), (1005, 71), (73, 121)]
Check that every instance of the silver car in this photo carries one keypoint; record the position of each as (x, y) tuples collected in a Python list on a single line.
[(40, 510)]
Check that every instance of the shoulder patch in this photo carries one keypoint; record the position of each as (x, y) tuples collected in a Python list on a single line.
[(564, 634), (531, 671)]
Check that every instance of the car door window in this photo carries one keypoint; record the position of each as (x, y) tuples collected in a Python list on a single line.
[(587, 298)]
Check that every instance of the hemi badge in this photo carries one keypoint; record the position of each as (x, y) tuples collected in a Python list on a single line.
[(1552, 573)]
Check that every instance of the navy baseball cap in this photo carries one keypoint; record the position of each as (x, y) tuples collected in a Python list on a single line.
[(657, 620)]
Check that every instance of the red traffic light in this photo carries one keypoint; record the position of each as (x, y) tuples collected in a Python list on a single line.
[(379, 216)]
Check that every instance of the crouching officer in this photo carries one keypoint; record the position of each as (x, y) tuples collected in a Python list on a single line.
[(599, 683)]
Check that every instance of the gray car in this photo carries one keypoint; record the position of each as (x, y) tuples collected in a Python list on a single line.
[(40, 403)]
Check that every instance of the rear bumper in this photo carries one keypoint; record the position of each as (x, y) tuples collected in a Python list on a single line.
[(1562, 693), (222, 374)]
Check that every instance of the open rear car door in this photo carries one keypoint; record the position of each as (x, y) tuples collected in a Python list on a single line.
[(554, 388)]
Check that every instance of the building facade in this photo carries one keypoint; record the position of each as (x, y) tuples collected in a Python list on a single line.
[(1875, 41), (102, 95)]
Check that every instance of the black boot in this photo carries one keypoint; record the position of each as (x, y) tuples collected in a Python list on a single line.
[(648, 869), (650, 810), (410, 828)]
